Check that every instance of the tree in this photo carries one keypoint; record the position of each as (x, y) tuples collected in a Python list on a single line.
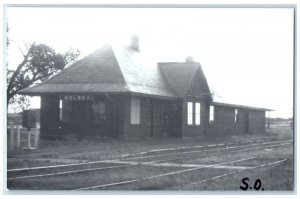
[(39, 63)]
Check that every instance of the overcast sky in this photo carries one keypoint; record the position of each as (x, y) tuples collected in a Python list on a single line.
[(246, 54)]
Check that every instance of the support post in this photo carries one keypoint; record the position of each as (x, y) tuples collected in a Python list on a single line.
[(12, 132), (29, 144), (18, 138), (36, 138)]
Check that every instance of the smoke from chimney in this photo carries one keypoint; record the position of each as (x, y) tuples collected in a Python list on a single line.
[(135, 43)]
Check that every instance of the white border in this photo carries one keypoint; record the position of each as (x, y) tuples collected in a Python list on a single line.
[(177, 2)]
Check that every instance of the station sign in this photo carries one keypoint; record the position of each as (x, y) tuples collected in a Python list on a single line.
[(77, 97)]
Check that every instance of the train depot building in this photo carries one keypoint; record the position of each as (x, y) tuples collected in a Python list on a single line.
[(116, 93)]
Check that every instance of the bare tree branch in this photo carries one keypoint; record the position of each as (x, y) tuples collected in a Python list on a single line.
[(21, 51)]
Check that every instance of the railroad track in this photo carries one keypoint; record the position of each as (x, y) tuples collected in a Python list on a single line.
[(274, 163), (120, 183), (249, 140), (105, 165), (160, 175), (226, 147), (127, 156)]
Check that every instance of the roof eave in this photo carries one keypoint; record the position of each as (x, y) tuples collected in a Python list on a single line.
[(155, 96), (32, 93), (240, 106)]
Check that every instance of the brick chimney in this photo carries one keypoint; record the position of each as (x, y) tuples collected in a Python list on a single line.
[(189, 59), (135, 43)]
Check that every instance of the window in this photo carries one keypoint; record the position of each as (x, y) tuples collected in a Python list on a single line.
[(135, 110), (211, 114), (98, 108), (190, 113), (197, 114), (236, 112)]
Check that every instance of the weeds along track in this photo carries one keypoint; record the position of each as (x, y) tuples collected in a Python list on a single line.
[(143, 181), (218, 148), (107, 165), (241, 141), (140, 155), (158, 153), (182, 149), (111, 164), (222, 151), (159, 176), (275, 163)]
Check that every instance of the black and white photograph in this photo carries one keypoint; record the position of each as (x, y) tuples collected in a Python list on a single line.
[(152, 98)]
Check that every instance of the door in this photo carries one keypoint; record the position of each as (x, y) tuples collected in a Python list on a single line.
[(81, 118), (146, 126), (175, 120), (159, 118), (101, 118)]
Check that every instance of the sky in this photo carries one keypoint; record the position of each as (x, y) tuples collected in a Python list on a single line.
[(246, 54)]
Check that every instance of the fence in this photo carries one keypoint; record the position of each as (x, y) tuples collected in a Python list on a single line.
[(20, 138)]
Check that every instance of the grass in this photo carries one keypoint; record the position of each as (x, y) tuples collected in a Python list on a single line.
[(274, 178), (167, 182), (67, 182), (108, 149), (281, 152), (60, 152)]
